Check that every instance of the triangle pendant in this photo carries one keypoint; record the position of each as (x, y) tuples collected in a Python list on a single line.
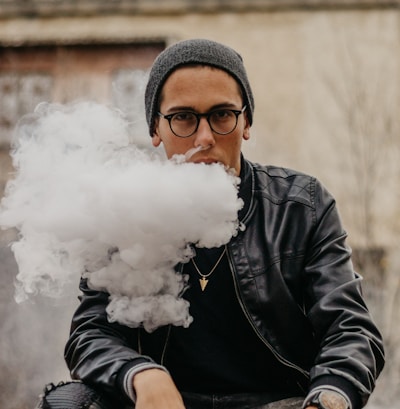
[(203, 283)]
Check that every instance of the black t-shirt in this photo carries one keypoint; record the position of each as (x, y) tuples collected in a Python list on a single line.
[(220, 352)]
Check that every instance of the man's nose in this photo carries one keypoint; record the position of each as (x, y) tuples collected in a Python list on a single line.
[(204, 133)]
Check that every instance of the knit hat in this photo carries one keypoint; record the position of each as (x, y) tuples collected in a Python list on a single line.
[(196, 51)]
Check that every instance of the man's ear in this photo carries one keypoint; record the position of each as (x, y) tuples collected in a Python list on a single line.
[(156, 139)]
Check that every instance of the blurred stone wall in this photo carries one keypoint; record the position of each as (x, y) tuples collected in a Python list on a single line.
[(79, 7)]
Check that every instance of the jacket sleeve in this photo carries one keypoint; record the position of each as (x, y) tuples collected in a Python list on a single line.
[(350, 345), (97, 351)]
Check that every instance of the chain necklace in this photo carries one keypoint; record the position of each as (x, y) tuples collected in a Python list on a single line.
[(204, 277)]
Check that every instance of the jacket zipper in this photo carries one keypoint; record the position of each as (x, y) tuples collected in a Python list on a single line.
[(265, 342), (165, 345), (169, 330), (164, 350)]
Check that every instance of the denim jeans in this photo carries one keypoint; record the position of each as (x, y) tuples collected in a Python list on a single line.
[(239, 401), (76, 395)]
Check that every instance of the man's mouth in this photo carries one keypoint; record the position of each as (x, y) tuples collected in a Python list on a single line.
[(193, 151)]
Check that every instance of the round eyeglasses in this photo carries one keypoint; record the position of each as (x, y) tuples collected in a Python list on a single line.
[(221, 121)]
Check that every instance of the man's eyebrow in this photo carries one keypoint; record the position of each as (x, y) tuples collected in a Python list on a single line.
[(180, 108)]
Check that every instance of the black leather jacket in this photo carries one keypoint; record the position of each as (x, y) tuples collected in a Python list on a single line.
[(294, 281)]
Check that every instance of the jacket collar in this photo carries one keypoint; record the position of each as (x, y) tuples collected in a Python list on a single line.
[(246, 188)]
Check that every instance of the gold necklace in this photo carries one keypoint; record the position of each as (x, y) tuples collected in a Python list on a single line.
[(203, 280)]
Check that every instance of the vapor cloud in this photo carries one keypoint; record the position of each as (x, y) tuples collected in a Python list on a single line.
[(87, 200)]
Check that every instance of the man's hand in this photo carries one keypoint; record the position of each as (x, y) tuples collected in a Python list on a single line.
[(155, 389)]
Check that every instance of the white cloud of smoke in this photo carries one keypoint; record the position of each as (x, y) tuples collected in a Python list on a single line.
[(85, 199)]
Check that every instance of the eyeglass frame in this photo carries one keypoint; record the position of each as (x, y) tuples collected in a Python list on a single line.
[(206, 115)]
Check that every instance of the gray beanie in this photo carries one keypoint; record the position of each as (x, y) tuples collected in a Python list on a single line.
[(196, 51)]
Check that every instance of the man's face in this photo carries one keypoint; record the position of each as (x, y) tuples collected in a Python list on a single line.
[(202, 89)]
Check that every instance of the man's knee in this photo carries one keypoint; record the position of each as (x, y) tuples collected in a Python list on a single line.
[(71, 395)]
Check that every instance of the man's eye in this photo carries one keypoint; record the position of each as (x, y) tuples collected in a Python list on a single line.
[(183, 116), (222, 114)]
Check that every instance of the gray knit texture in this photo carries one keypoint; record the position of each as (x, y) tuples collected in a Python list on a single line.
[(195, 51)]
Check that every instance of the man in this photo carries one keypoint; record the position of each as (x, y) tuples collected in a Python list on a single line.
[(279, 320)]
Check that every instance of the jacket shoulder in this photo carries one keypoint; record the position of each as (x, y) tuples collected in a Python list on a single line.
[(279, 184)]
